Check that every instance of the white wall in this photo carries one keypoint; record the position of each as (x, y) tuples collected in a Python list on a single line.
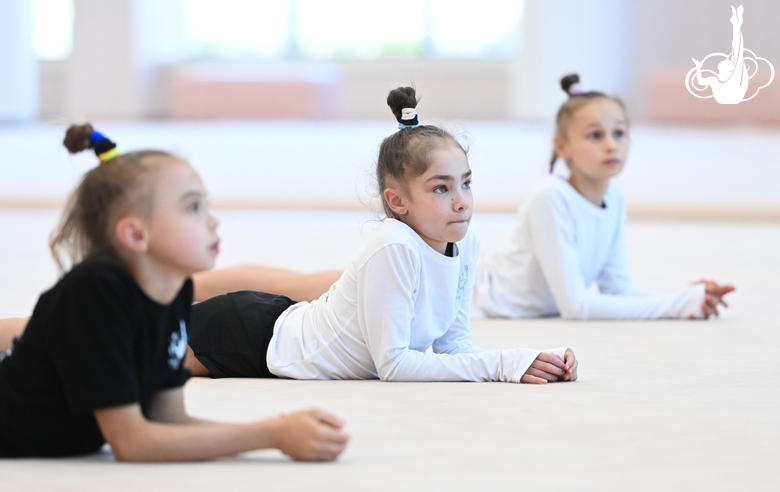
[(591, 38), (448, 89), (118, 47)]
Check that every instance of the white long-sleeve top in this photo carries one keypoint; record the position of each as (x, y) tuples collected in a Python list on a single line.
[(562, 243), (397, 298)]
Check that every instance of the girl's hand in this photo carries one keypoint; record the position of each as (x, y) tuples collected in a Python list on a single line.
[(311, 435), (570, 361), (713, 297), (545, 368)]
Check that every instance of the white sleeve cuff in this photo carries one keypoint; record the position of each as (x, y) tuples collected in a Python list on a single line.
[(692, 305), (523, 358), (560, 351)]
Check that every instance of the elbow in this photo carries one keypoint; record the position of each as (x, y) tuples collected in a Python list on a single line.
[(391, 372), (123, 458), (575, 311), (569, 315), (389, 376), (127, 450), (127, 431), (124, 452)]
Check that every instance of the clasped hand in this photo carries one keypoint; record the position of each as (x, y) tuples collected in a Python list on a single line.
[(713, 297), (549, 368)]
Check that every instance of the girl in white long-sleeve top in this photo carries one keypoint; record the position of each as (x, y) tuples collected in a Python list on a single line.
[(571, 233), (409, 289)]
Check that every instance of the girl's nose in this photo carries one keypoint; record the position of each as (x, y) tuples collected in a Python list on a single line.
[(610, 144), (460, 201), (213, 221)]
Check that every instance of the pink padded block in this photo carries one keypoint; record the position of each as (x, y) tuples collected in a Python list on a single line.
[(223, 98), (668, 101)]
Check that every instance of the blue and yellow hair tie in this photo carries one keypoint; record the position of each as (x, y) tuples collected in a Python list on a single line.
[(105, 149)]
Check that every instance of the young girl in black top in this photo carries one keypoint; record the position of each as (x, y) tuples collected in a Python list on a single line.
[(101, 358)]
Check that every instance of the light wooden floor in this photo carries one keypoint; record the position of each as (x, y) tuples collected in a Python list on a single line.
[(671, 405)]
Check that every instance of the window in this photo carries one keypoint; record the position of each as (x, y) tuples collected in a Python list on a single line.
[(237, 28), (359, 28), (475, 29), (351, 29), (53, 29)]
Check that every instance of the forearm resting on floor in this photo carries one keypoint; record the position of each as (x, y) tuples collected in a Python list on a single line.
[(168, 433)]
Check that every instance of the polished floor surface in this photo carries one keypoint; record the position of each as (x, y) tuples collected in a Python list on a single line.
[(665, 405)]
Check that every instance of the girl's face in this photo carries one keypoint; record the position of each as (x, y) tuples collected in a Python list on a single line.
[(182, 234), (438, 203), (596, 141)]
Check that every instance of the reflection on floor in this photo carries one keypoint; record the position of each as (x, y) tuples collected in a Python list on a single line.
[(660, 405)]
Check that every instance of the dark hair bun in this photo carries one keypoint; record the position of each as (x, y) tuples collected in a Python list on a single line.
[(398, 99), (78, 138), (569, 81)]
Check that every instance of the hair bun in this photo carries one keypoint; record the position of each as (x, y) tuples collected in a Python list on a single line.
[(78, 138), (568, 83), (400, 98), (83, 137)]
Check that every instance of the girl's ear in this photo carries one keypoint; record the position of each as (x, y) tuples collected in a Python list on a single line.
[(132, 234), (561, 148), (395, 201)]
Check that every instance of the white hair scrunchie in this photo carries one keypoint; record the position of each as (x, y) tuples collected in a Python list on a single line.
[(408, 113)]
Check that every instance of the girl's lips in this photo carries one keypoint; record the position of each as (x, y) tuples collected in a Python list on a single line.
[(611, 162), (214, 247)]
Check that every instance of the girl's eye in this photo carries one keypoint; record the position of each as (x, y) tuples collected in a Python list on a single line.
[(467, 185), (194, 207), (619, 134), (595, 135), (440, 189)]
